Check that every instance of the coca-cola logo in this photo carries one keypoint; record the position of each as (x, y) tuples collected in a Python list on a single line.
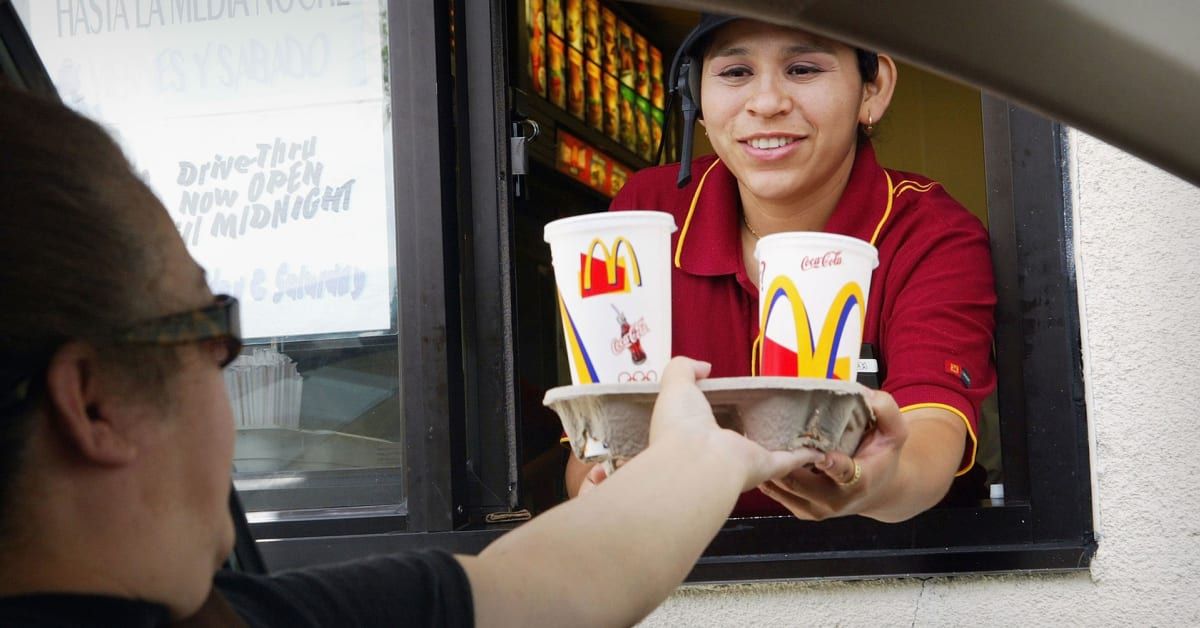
[(829, 258), (636, 332)]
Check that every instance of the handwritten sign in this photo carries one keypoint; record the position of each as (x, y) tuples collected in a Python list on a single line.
[(262, 126)]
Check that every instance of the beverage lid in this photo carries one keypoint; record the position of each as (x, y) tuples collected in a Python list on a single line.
[(817, 239), (607, 220)]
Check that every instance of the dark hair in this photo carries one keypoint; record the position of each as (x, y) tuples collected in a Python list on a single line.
[(72, 262), (868, 64)]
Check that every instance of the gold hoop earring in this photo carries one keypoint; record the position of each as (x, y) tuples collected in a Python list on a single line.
[(870, 128)]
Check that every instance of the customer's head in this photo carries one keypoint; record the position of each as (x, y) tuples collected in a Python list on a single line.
[(105, 434)]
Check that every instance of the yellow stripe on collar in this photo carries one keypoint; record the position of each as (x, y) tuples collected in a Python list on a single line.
[(905, 186), (691, 210), (887, 212)]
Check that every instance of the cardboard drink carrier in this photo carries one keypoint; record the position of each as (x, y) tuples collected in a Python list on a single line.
[(610, 423), (606, 412)]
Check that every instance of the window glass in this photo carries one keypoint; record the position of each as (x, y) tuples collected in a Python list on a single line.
[(264, 128)]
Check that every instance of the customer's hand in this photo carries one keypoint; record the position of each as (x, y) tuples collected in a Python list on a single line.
[(682, 413)]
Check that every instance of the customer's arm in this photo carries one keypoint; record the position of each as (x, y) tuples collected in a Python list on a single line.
[(611, 556)]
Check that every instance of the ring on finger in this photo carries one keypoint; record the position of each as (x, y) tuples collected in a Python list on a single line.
[(854, 478)]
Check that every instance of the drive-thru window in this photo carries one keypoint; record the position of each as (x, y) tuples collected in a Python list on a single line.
[(371, 179)]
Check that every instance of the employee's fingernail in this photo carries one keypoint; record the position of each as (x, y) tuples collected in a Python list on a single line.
[(825, 463)]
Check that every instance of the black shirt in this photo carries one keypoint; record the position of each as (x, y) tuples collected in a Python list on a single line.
[(414, 589)]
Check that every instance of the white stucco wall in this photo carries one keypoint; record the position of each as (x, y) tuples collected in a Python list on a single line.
[(1137, 235)]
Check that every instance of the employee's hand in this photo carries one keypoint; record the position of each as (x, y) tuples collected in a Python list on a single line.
[(682, 413), (594, 477), (831, 488)]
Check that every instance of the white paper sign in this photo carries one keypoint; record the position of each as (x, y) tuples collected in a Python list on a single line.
[(261, 125)]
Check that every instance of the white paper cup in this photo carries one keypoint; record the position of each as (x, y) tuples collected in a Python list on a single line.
[(613, 271), (812, 303)]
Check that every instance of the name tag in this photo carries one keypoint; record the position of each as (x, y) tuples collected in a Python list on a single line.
[(867, 366)]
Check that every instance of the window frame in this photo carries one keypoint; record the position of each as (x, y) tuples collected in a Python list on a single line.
[(1045, 523), (427, 298), (19, 61)]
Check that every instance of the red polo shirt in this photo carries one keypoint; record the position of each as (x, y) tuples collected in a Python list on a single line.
[(931, 302)]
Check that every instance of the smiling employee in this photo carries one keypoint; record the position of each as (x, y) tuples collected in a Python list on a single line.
[(790, 115)]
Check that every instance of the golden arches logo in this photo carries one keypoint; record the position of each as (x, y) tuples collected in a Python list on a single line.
[(615, 278), (813, 357)]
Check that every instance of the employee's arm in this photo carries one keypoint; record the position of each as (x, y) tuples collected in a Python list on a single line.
[(577, 476), (611, 556), (907, 464)]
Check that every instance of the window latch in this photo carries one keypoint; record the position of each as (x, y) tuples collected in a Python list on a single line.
[(518, 158)]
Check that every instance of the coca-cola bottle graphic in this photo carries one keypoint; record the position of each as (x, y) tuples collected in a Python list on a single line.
[(635, 343)]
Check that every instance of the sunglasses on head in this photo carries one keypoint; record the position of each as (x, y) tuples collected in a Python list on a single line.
[(218, 321)]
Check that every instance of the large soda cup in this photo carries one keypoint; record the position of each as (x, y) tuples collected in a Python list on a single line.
[(613, 271), (812, 303)]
